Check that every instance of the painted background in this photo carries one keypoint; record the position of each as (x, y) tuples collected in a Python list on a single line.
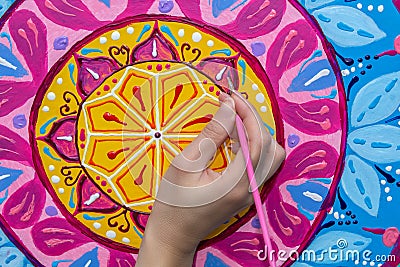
[(367, 198)]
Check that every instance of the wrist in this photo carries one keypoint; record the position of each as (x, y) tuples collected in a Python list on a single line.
[(154, 251)]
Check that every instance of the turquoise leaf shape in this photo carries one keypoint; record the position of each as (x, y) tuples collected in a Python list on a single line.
[(343, 242), (360, 182), (377, 100), (377, 143), (7, 177), (9, 64), (348, 26)]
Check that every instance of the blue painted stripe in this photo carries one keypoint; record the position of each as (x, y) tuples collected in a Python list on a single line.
[(344, 27), (46, 151), (71, 202), (92, 218), (332, 95), (360, 186), (42, 129), (167, 30), (242, 64), (359, 141), (227, 52), (375, 102), (145, 29), (137, 232), (305, 213), (71, 68), (380, 145), (351, 166), (390, 86), (86, 51), (365, 34)]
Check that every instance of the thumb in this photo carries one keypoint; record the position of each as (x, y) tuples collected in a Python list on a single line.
[(197, 155)]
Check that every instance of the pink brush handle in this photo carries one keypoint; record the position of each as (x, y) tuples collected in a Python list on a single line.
[(254, 188)]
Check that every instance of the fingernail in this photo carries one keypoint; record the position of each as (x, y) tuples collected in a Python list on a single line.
[(223, 97)]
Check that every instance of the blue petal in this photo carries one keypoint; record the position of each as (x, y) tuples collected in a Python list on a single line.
[(377, 100), (344, 242), (309, 195), (214, 261), (220, 5), (360, 182), (89, 259), (347, 26), (7, 177), (378, 143), (316, 76), (9, 64)]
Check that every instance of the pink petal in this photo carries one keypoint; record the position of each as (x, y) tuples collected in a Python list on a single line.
[(293, 44), (13, 147), (29, 34), (319, 117), (71, 14), (24, 207)]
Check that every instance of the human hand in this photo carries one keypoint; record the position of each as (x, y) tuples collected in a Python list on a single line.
[(193, 200)]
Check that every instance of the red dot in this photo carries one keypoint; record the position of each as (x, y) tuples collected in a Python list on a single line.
[(149, 67), (106, 87), (211, 89), (218, 93), (159, 67), (98, 93), (109, 190), (150, 207), (82, 146), (97, 177), (205, 82), (168, 66), (103, 183), (114, 80)]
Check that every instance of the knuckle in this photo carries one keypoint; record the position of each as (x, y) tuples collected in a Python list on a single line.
[(213, 130)]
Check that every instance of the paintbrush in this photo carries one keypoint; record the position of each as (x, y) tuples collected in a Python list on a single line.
[(253, 184)]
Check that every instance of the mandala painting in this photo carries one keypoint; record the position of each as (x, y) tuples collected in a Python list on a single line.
[(98, 96)]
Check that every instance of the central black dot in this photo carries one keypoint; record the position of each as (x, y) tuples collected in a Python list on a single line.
[(157, 135)]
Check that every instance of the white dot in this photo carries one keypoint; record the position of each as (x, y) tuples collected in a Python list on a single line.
[(360, 65), (398, 171), (380, 8), (254, 86), (210, 43), (181, 32), (60, 80), (353, 69), (398, 108), (398, 123), (196, 37), (263, 109), (51, 167), (364, 263), (380, 264), (370, 7), (387, 189), (341, 216), (103, 40), (126, 240), (115, 35), (383, 182), (55, 179), (46, 109), (372, 263), (96, 225), (61, 190), (111, 234), (359, 5), (388, 168), (356, 262), (51, 96), (389, 198), (260, 98), (336, 215), (130, 30)]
